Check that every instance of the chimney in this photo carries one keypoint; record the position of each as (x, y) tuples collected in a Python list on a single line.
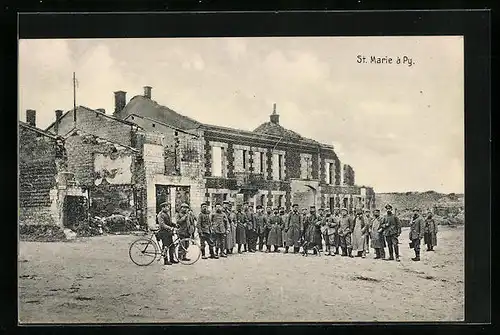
[(59, 114), (147, 92), (275, 118), (31, 117), (120, 101), (101, 110)]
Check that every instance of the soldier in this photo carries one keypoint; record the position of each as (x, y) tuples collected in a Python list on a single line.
[(186, 229), (336, 225), (345, 228), (229, 236), (205, 231), (232, 219), (368, 221), (252, 228), (275, 237), (166, 233), (416, 233), (430, 232), (294, 229), (358, 234), (220, 224), (377, 237), (283, 216), (261, 222), (329, 233), (321, 218), (267, 215), (392, 230), (313, 230), (241, 235)]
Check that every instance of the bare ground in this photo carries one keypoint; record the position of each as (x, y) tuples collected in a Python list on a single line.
[(92, 280)]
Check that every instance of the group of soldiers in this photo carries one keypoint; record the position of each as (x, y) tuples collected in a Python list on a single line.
[(341, 232)]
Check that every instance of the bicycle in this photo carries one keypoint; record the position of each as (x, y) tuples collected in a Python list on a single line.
[(146, 250)]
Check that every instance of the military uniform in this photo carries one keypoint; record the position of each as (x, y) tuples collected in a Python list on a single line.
[(329, 233), (345, 229), (241, 235), (358, 235), (377, 237), (336, 237), (166, 234), (229, 236), (261, 222), (416, 234), (251, 232), (294, 228), (392, 229), (186, 229), (275, 237), (430, 233), (313, 231), (220, 225), (205, 232)]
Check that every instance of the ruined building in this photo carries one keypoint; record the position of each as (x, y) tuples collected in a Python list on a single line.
[(145, 153)]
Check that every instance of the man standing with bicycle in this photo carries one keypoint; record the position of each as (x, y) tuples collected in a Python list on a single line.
[(166, 233), (186, 229)]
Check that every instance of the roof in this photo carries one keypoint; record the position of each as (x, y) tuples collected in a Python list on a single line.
[(269, 128), (100, 139), (86, 109), (161, 123), (38, 130), (142, 106)]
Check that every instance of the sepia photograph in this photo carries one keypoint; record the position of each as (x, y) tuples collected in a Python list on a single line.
[(241, 179)]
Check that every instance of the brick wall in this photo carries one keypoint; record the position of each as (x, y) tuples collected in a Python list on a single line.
[(97, 124)]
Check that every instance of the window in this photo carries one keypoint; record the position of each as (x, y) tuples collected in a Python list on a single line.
[(280, 201), (261, 159), (244, 159), (308, 169), (330, 173), (280, 167), (217, 161)]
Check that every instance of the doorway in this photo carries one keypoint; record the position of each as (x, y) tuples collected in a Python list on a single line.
[(74, 211)]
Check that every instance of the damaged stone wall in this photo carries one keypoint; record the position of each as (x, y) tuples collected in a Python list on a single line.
[(348, 175), (38, 169)]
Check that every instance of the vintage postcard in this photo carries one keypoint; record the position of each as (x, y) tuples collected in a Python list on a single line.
[(251, 179)]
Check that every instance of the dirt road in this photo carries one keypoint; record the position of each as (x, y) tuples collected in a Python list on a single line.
[(92, 280)]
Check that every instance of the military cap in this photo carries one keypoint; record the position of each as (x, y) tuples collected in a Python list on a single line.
[(295, 205), (416, 209), (359, 211), (321, 209), (282, 207), (225, 202), (312, 206), (218, 204), (163, 204), (204, 204), (184, 205), (376, 210), (388, 206), (328, 214), (276, 209), (344, 209), (259, 207)]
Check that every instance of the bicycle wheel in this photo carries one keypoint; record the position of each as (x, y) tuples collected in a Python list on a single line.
[(190, 249), (143, 251)]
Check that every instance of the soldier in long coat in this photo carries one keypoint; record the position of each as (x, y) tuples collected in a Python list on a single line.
[(313, 230), (416, 233), (321, 217), (377, 236), (251, 230), (392, 229), (166, 233), (229, 235), (283, 216), (368, 221), (430, 232), (220, 225), (275, 238), (336, 225), (232, 217), (345, 229), (261, 221), (294, 229), (241, 235), (358, 234)]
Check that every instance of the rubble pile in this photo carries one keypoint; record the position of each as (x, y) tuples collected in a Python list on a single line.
[(41, 233)]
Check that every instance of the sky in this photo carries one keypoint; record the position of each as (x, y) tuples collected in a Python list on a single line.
[(401, 127)]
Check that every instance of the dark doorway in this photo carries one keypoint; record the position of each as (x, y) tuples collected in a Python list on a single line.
[(332, 204), (179, 194), (162, 195), (345, 204), (74, 211)]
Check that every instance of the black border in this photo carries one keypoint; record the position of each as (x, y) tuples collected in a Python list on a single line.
[(474, 25)]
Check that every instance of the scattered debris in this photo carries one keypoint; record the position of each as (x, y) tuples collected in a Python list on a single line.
[(366, 278), (124, 294), (28, 276), (33, 302), (70, 235), (84, 298), (23, 261), (41, 233)]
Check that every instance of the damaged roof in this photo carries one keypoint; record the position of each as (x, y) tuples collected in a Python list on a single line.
[(270, 128), (38, 130)]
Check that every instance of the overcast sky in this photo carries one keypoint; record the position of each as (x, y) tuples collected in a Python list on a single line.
[(401, 127)]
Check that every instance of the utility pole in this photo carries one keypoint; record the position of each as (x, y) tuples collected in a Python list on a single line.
[(74, 100)]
